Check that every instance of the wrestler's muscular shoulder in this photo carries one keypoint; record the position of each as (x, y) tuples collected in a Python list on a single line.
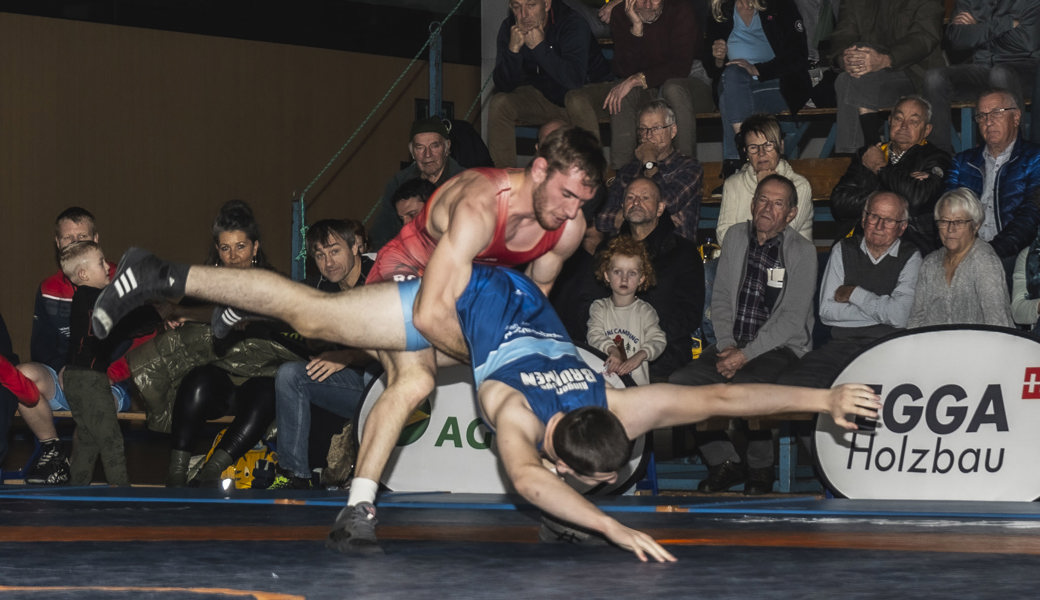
[(469, 196)]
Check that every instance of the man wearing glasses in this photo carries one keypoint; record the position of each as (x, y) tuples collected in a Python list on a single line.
[(1003, 37), (867, 290), (677, 176), (762, 311), (908, 164), (1005, 174)]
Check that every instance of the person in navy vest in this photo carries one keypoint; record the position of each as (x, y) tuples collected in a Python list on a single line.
[(867, 290)]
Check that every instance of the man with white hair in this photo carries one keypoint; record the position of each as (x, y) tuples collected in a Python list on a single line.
[(1004, 173)]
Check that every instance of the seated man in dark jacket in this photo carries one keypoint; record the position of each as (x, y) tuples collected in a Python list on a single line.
[(678, 296), (544, 50), (1005, 174), (907, 165)]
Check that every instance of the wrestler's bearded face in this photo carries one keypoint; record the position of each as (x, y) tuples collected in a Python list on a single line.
[(560, 196)]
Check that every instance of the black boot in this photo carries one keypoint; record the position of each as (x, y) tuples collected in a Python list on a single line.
[(177, 475), (722, 477), (209, 476)]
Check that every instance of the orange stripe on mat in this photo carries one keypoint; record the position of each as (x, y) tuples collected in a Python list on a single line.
[(222, 591)]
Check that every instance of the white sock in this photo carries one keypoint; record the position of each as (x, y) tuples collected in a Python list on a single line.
[(362, 490)]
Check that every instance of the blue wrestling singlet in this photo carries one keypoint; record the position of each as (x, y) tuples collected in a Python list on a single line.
[(515, 337)]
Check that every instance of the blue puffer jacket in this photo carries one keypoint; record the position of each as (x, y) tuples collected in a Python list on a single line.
[(1018, 191)]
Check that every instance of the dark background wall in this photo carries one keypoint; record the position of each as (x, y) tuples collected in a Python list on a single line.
[(152, 130)]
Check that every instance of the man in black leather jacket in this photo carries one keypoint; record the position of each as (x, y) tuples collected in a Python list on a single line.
[(907, 165)]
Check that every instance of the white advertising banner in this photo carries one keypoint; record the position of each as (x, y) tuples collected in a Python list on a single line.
[(960, 419), (446, 447)]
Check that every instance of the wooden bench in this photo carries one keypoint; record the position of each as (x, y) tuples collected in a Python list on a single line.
[(137, 416)]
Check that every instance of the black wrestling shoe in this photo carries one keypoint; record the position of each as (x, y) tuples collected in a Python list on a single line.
[(759, 482), (51, 467), (722, 477), (141, 277), (354, 531)]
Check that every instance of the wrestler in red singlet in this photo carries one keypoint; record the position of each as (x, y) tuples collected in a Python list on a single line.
[(406, 256)]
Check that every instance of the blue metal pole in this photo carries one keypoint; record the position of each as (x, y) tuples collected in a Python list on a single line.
[(299, 261), (436, 70)]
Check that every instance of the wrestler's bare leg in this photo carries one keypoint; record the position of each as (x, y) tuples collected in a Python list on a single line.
[(366, 317), (39, 418), (410, 380)]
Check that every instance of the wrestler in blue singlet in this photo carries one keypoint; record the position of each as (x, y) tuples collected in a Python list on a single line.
[(515, 337)]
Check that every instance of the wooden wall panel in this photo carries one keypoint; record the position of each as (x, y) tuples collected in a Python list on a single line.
[(153, 130)]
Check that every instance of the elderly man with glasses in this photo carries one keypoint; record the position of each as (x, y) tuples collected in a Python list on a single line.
[(1004, 172), (1003, 39), (908, 164), (677, 176), (867, 290)]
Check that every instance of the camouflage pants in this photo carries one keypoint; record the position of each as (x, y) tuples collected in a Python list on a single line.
[(97, 428)]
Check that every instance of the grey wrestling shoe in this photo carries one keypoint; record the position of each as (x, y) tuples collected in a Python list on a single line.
[(141, 277), (354, 531), (554, 530), (225, 318)]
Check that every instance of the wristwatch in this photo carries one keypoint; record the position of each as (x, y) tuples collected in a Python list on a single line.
[(648, 165)]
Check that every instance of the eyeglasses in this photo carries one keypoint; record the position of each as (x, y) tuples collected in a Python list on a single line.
[(952, 224), (756, 148), (882, 222), (982, 117), (778, 203), (652, 130), (911, 121)]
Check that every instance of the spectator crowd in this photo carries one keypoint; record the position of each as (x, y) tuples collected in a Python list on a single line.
[(927, 236)]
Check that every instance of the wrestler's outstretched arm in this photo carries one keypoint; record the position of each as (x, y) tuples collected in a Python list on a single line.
[(644, 408), (517, 432)]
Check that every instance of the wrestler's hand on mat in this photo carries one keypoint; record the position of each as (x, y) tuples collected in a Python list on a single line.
[(637, 542), (853, 399)]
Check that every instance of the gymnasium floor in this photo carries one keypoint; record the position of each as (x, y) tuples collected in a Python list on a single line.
[(143, 542)]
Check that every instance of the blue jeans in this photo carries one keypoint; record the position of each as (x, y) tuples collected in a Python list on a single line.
[(741, 96), (295, 391)]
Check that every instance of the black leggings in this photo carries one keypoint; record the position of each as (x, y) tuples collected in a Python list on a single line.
[(206, 393)]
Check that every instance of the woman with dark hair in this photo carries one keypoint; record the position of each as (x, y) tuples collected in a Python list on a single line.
[(236, 238), (210, 391)]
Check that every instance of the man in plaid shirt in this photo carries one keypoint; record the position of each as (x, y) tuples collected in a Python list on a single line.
[(677, 176), (762, 312)]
